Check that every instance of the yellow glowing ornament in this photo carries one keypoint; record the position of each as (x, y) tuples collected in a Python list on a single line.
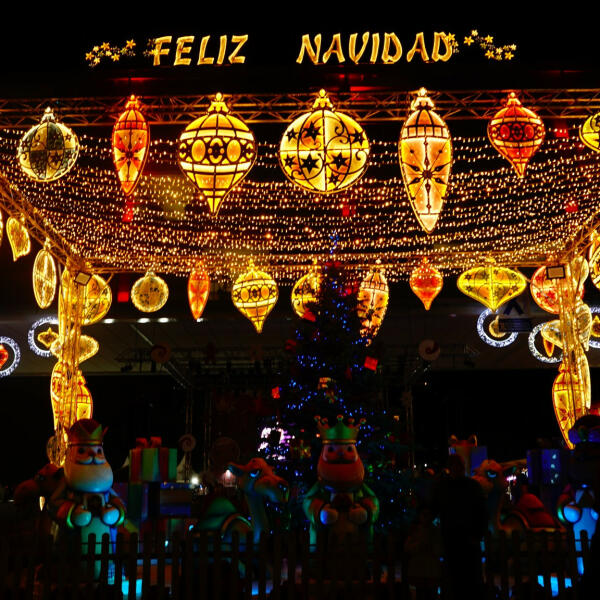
[(565, 390), (491, 285), (596, 327), (149, 293), (552, 333), (324, 151), (254, 294), (594, 258), (97, 298), (198, 290), (216, 152), (426, 282), (48, 337), (305, 292), (71, 399), (18, 238), (583, 322), (425, 153), (372, 301), (88, 347), (548, 347), (48, 150), (44, 278), (589, 132), (494, 330)]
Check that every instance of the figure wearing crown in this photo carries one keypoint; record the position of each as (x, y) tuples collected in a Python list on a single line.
[(340, 502), (85, 501)]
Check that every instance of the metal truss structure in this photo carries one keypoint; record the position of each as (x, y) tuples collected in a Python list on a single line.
[(375, 106)]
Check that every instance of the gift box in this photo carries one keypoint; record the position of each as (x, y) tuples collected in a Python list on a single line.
[(175, 499), (137, 501), (149, 461)]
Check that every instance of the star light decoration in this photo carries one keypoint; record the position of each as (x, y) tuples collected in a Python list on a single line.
[(216, 152), (48, 150), (425, 154), (324, 151), (254, 294), (108, 51), (489, 49), (517, 133)]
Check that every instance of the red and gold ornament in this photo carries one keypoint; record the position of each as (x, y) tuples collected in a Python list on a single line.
[(426, 282), (198, 289)]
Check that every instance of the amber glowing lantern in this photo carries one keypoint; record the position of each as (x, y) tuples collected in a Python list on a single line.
[(254, 294), (324, 151), (216, 152), (589, 132), (130, 145), (71, 399), (18, 238), (306, 292), (517, 133), (544, 291), (565, 391), (426, 282), (97, 298), (49, 150), (425, 153), (44, 278), (491, 284), (149, 293), (198, 289), (372, 301)]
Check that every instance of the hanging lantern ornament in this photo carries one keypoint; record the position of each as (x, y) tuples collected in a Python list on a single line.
[(492, 285), (565, 389), (589, 132), (130, 145), (306, 292), (544, 291), (254, 294), (426, 282), (149, 293), (198, 289), (44, 278), (216, 152), (49, 150), (372, 302), (324, 151), (18, 237), (517, 133), (425, 153)]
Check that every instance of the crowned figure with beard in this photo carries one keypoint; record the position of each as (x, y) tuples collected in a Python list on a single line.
[(85, 503), (340, 502)]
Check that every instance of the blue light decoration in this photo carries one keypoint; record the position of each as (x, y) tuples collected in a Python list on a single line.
[(509, 339), (16, 356), (31, 337)]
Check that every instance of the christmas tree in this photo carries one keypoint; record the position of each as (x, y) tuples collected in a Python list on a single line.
[(332, 370)]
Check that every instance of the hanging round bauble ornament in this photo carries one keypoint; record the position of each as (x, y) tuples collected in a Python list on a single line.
[(130, 145), (426, 282), (425, 154), (48, 150), (97, 297), (491, 285), (44, 278), (589, 132), (254, 294), (198, 289), (372, 301), (149, 293), (306, 292), (18, 237), (517, 133), (71, 399), (324, 151), (216, 152), (544, 291)]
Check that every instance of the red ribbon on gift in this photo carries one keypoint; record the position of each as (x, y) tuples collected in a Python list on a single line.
[(153, 442)]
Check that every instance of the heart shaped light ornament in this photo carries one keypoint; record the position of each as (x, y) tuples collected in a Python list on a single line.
[(372, 302), (425, 154), (306, 292), (491, 284), (254, 294), (18, 237), (517, 133), (198, 289), (426, 282)]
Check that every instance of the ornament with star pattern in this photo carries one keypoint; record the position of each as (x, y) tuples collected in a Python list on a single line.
[(324, 151), (373, 297), (425, 153)]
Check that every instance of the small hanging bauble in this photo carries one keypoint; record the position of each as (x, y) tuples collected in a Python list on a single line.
[(372, 301), (589, 132), (425, 153), (491, 285), (426, 282), (216, 152), (149, 293), (323, 150), (198, 289), (517, 133), (305, 292), (254, 294), (18, 237), (48, 150), (130, 145), (97, 297), (44, 278)]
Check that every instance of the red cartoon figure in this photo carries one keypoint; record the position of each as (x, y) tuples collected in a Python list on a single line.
[(340, 502)]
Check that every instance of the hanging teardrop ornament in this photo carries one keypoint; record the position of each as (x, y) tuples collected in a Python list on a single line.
[(198, 289), (44, 278), (372, 302), (426, 282)]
